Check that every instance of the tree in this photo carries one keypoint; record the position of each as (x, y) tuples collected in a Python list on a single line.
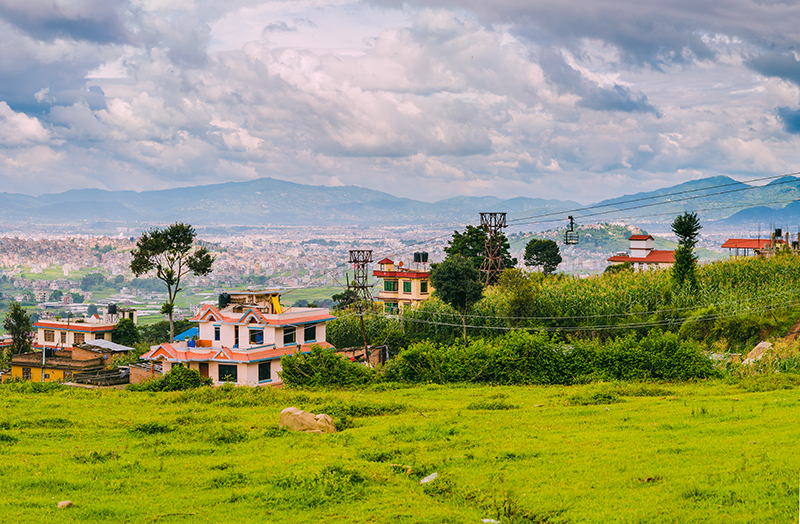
[(18, 324), (56, 295), (346, 298), (125, 333), (91, 310), (457, 282), (77, 298), (543, 254), (471, 244), (92, 281), (687, 228), (169, 251)]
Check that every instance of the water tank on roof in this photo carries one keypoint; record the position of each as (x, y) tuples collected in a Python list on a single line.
[(224, 300), (778, 233), (424, 256), (112, 309), (417, 257)]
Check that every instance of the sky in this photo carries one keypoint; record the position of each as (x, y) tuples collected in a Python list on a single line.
[(567, 99)]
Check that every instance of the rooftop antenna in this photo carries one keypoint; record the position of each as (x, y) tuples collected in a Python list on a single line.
[(570, 235), (360, 258), (492, 224)]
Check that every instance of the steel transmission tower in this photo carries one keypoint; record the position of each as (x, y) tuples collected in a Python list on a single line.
[(492, 224), (360, 258)]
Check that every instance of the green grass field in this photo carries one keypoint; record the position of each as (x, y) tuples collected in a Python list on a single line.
[(649, 453)]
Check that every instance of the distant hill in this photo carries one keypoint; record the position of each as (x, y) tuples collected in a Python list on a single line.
[(265, 201), (271, 202)]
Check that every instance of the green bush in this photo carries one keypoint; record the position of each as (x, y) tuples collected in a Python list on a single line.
[(324, 368), (178, 378), (519, 357)]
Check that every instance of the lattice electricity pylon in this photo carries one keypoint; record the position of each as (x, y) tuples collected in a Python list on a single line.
[(360, 258), (570, 235), (492, 266)]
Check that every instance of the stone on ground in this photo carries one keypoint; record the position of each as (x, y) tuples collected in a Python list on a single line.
[(299, 420)]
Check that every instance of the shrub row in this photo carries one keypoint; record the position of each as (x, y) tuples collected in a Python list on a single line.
[(518, 357)]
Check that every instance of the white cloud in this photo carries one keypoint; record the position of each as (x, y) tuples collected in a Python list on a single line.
[(17, 129)]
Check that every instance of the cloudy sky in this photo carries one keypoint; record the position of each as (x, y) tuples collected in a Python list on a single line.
[(568, 99)]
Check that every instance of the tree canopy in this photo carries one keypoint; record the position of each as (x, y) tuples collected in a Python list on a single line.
[(18, 325), (457, 282), (171, 254), (543, 254), (684, 270), (471, 244), (126, 333)]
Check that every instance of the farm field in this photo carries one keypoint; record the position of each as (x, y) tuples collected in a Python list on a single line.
[(711, 451)]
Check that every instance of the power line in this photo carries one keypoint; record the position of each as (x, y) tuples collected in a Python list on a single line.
[(641, 199), (608, 327)]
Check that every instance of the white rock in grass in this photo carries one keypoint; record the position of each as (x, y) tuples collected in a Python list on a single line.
[(429, 478), (65, 504)]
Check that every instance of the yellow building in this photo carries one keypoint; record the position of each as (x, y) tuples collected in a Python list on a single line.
[(401, 286), (59, 365)]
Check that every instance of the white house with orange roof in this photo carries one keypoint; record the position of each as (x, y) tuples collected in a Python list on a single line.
[(643, 255), (243, 340), (402, 286)]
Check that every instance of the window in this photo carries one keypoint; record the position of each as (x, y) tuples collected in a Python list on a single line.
[(264, 372), (289, 336), (391, 308), (423, 287), (26, 373), (63, 337), (68, 375), (47, 375), (49, 335), (310, 333), (228, 373), (80, 338), (390, 285), (100, 336), (407, 287), (236, 336), (257, 336), (216, 332)]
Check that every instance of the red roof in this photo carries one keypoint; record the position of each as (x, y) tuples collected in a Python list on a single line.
[(170, 353), (75, 326), (655, 256), (386, 261), (401, 274), (288, 321), (749, 243), (640, 237)]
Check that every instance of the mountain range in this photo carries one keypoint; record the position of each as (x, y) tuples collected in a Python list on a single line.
[(271, 202)]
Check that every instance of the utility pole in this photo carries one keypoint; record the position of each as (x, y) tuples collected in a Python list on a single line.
[(492, 224), (360, 258)]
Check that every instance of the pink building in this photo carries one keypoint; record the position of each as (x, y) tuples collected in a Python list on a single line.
[(243, 339)]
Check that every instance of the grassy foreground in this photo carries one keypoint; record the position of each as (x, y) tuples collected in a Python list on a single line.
[(707, 452)]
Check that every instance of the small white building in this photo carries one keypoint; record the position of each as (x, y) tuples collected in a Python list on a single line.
[(243, 339), (643, 255)]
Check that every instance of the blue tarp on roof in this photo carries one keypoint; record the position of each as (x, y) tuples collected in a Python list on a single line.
[(189, 333)]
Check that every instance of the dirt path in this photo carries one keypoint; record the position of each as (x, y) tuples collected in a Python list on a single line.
[(793, 333)]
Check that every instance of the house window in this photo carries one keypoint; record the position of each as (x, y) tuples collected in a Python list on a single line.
[(289, 335), (407, 287), (68, 375), (80, 338), (100, 336), (49, 335), (257, 336), (310, 333), (63, 337), (391, 307), (423, 287), (236, 336), (390, 285), (26, 373), (264, 372), (216, 332), (47, 375), (228, 373)]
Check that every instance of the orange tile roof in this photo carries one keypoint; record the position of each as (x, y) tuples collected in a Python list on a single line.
[(749, 243), (291, 321), (401, 274), (653, 257), (168, 352), (640, 237), (386, 261)]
